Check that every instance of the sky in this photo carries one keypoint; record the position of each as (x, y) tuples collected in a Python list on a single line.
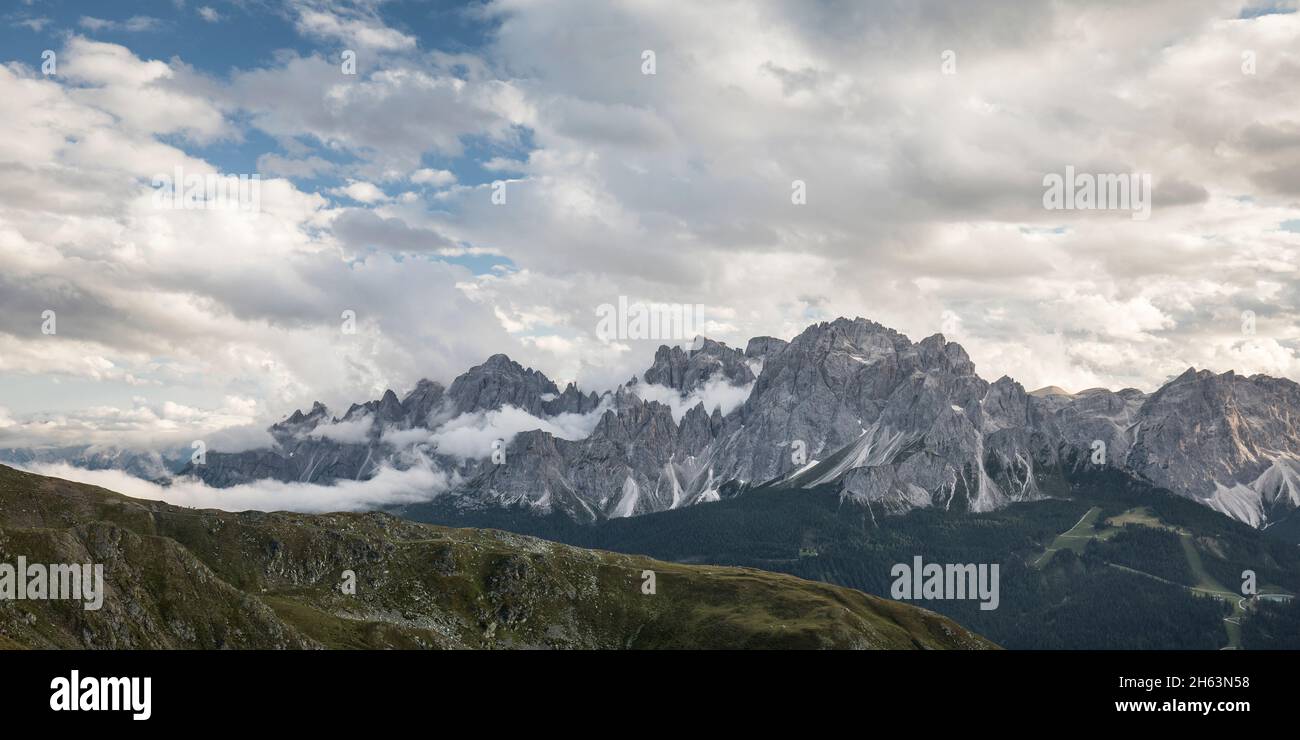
[(920, 135)]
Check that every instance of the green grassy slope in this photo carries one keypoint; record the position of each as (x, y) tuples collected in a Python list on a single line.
[(183, 578)]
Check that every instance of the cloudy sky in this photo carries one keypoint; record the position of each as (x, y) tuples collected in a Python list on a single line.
[(921, 131)]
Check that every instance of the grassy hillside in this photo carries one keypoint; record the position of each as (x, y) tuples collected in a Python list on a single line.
[(183, 578), (1116, 565)]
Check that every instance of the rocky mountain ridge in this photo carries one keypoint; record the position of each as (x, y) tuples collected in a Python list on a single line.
[(890, 423)]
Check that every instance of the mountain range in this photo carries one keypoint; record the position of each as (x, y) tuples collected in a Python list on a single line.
[(890, 423)]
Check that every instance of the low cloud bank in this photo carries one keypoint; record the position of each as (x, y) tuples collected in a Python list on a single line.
[(470, 436), (389, 487), (716, 393), (355, 431)]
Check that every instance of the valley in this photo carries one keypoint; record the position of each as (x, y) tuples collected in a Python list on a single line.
[(1093, 528)]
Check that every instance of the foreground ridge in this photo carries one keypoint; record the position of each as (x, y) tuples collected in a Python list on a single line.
[(184, 578)]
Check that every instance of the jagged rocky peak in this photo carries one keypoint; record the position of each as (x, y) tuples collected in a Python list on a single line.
[(861, 333), (840, 347), (760, 347), (845, 363), (424, 400), (624, 398), (298, 423), (386, 410), (500, 381), (937, 351), (632, 420), (1007, 402), (534, 473), (687, 370), (318, 411), (571, 401), (1229, 439), (850, 393), (697, 431)]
